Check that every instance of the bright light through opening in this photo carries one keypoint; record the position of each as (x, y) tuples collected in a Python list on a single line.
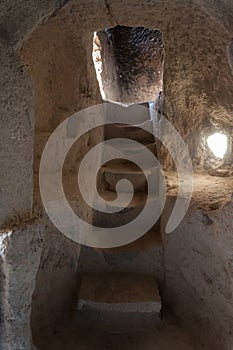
[(96, 55), (217, 143)]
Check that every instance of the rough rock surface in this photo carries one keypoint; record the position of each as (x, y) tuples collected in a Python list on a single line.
[(20, 260), (56, 285), (198, 96), (198, 269), (16, 141), (36, 262), (197, 80), (132, 63)]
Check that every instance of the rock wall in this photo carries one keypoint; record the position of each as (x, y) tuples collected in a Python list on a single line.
[(198, 269), (197, 74), (198, 91), (20, 259), (16, 137), (38, 282), (56, 285)]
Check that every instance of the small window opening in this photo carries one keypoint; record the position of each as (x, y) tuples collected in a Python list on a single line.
[(218, 144)]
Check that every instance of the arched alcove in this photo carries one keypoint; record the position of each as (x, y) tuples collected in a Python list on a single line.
[(62, 86)]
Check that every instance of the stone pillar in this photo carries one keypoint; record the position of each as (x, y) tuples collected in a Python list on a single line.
[(19, 262)]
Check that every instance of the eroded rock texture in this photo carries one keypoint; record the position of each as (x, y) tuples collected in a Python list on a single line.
[(199, 274), (20, 259), (38, 282), (135, 57), (17, 130), (56, 38)]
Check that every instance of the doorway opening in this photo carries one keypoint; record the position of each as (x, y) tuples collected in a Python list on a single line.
[(129, 63)]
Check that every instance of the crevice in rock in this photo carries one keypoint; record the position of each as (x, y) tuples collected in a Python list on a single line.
[(110, 12), (230, 55)]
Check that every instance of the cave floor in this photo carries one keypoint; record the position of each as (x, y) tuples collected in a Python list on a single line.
[(166, 338)]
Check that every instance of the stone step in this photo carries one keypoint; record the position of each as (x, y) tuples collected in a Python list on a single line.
[(149, 240), (118, 302), (138, 200), (133, 113), (146, 125), (134, 154), (142, 133), (123, 213), (112, 173)]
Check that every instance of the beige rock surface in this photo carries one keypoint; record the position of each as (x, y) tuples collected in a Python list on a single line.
[(55, 39)]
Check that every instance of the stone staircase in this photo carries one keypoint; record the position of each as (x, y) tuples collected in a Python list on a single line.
[(118, 303), (122, 302), (117, 311), (119, 306), (117, 169)]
